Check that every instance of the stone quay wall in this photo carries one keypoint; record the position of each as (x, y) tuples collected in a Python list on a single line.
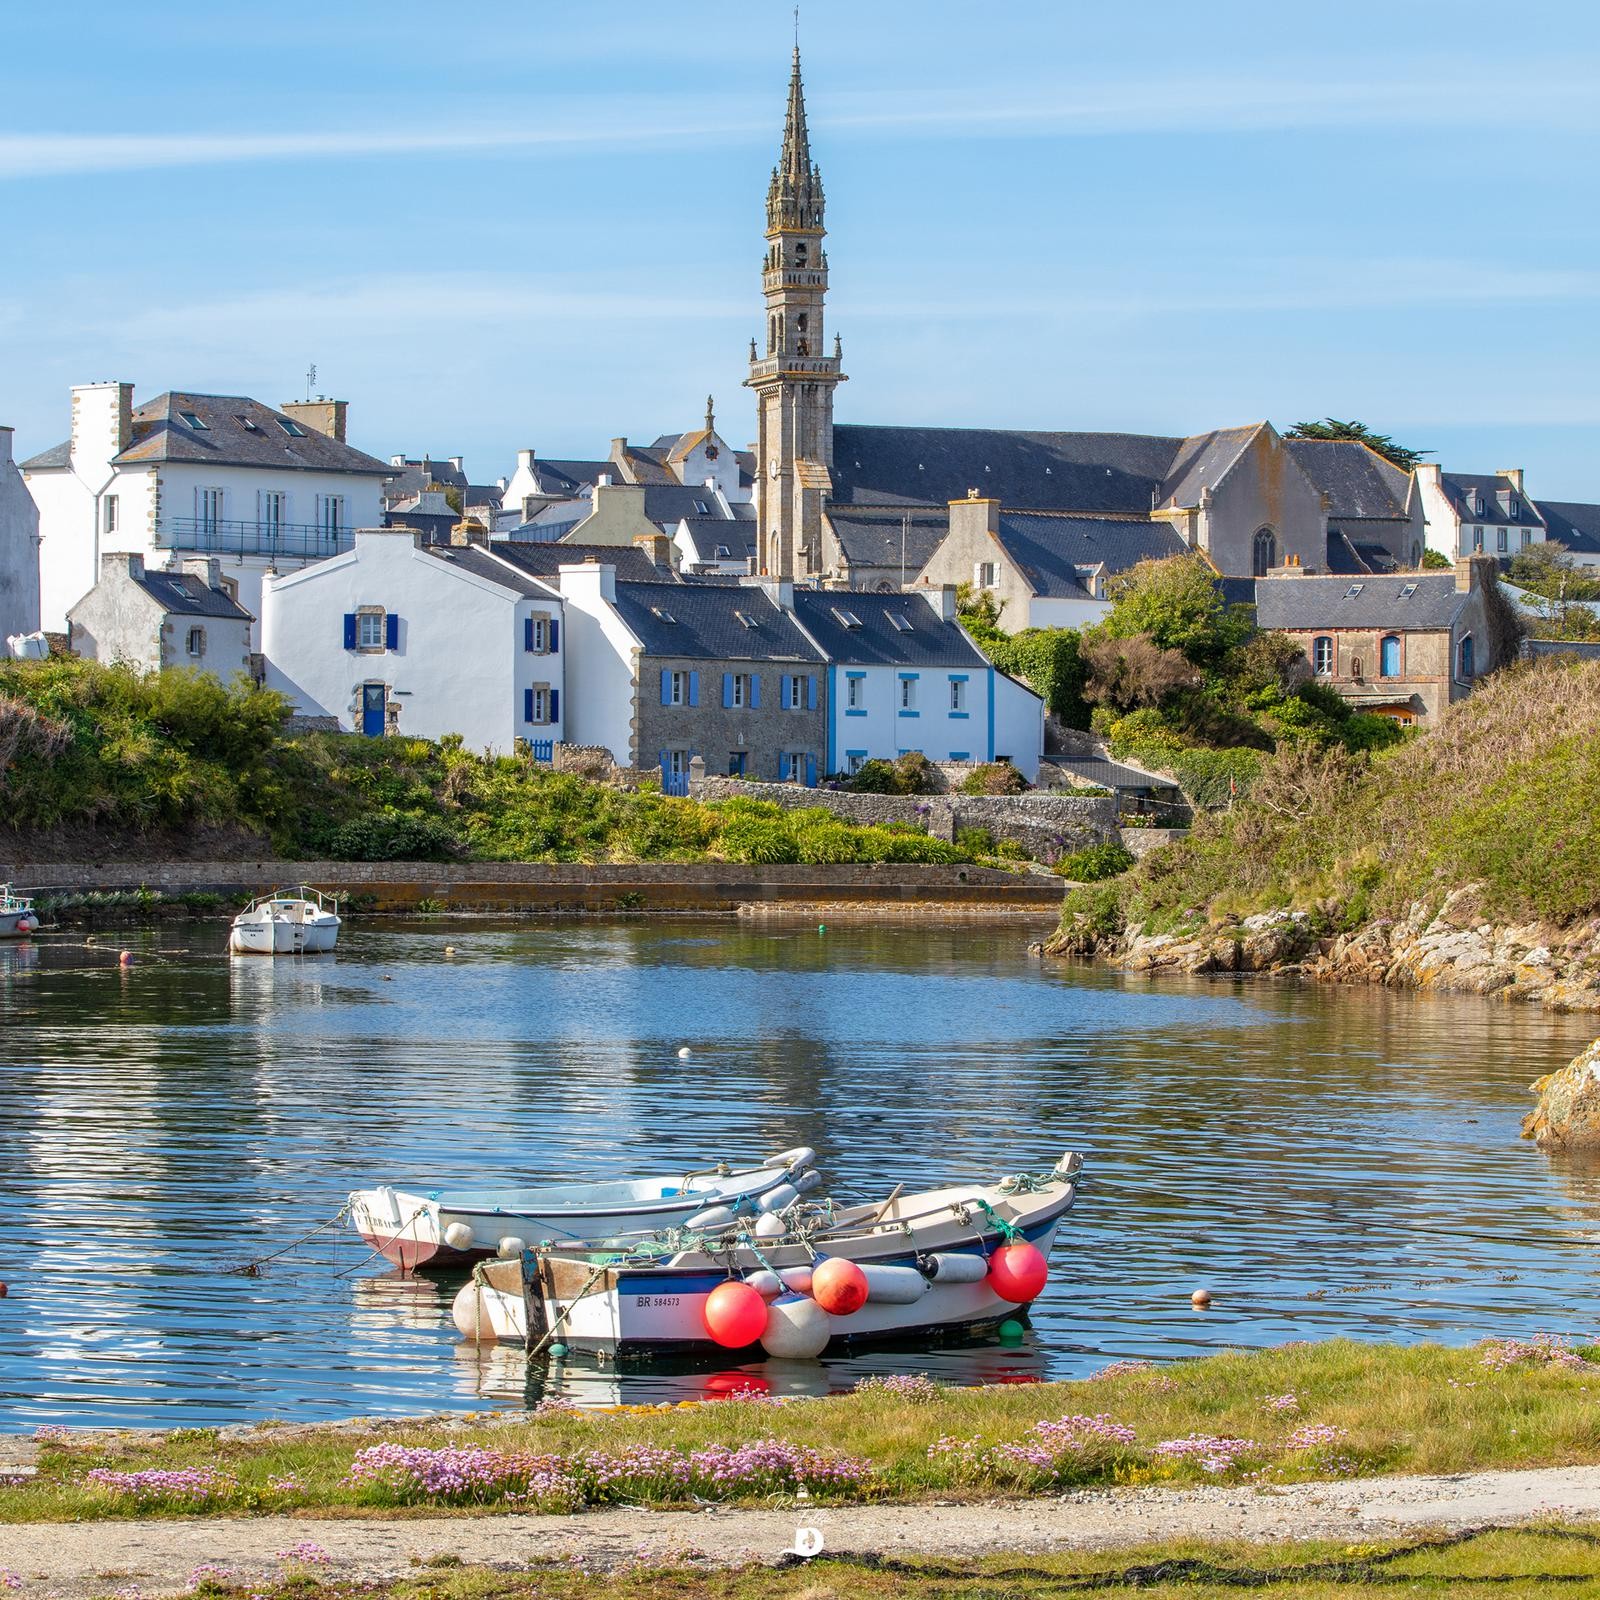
[(1048, 825), (563, 886)]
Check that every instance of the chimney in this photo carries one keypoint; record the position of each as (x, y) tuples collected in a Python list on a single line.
[(657, 548), (974, 515), (207, 568), (603, 481), (1470, 572), (525, 460), (943, 601), (780, 591), (1429, 472), (326, 417), (1514, 474), (113, 563), (455, 463), (588, 579), (102, 424), (397, 461), (5, 444), (460, 533)]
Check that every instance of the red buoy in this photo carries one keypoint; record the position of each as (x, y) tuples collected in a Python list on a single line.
[(735, 1315), (838, 1286), (1017, 1273)]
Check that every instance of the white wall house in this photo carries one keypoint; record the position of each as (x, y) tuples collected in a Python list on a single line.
[(161, 619), (190, 474), (1478, 513), (397, 637), (904, 675), (19, 549)]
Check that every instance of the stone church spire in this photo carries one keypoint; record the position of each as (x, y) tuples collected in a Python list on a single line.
[(794, 381)]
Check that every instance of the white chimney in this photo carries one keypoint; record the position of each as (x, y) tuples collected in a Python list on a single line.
[(455, 463), (943, 601), (589, 580), (525, 460), (5, 444), (102, 425)]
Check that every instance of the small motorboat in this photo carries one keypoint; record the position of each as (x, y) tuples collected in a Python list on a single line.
[(17, 917), (289, 922), (446, 1227), (951, 1262)]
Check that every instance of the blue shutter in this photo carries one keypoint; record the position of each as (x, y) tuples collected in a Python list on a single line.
[(666, 687), (527, 705), (663, 765), (553, 628), (755, 691), (527, 634), (349, 630), (811, 692), (727, 691), (783, 690), (555, 705), (694, 688), (811, 768), (391, 632)]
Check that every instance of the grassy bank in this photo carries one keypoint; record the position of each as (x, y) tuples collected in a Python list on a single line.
[(94, 754), (1278, 1416), (1522, 1564), (1499, 793)]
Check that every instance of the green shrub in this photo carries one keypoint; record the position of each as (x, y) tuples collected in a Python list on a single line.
[(1096, 862), (392, 836), (994, 777), (975, 841)]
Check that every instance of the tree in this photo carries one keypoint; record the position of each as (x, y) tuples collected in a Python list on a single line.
[(1401, 455), (1127, 673), (1435, 561), (1176, 602)]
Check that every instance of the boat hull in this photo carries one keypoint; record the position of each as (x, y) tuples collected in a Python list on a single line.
[(18, 924)]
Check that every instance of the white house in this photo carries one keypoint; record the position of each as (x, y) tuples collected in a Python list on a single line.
[(182, 617), (395, 636), (1478, 513), (19, 549), (195, 474)]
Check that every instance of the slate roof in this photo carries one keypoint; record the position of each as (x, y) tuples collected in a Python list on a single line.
[(508, 574), (228, 438), (1577, 650), (872, 538), (58, 455), (1203, 460), (1050, 550), (705, 625), (413, 475), (568, 477), (1576, 525), (1298, 604), (1109, 774), (931, 642), (886, 466), (709, 534), (1359, 483), (1491, 485), (186, 594), (670, 503), (546, 560)]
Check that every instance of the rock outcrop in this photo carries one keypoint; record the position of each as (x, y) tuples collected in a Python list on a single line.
[(1568, 1112)]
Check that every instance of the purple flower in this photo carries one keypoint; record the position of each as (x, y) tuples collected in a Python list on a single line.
[(1214, 1454)]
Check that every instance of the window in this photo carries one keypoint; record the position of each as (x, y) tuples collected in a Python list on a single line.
[(1514, 507), (908, 695), (722, 553), (109, 516), (738, 690), (794, 691), (369, 630), (988, 574), (1264, 553), (1407, 590), (899, 623), (958, 694), (794, 767), (678, 689), (736, 763), (330, 514), (1389, 656), (274, 510), (293, 429), (1527, 537), (677, 763), (855, 692), (194, 421), (1416, 552), (663, 615), (745, 619), (536, 703), (535, 635), (1354, 590), (207, 509), (1477, 540), (1468, 667), (846, 619), (195, 645), (854, 760), (1502, 540), (1322, 656), (703, 509), (248, 423)]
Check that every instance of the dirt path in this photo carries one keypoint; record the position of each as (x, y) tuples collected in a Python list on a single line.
[(84, 1559)]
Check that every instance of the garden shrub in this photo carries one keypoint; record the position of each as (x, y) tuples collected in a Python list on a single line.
[(1095, 862), (994, 777)]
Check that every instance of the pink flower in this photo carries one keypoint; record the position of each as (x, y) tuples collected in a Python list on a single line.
[(1314, 1436), (1214, 1454), (307, 1551)]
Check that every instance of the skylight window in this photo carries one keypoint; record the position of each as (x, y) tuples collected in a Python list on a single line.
[(745, 618), (248, 422), (846, 619), (1407, 592), (723, 553), (898, 623), (702, 508), (1354, 590), (194, 420), (292, 428), (662, 614)]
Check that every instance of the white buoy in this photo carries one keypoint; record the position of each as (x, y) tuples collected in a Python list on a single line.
[(778, 1198), (683, 1053), (770, 1227), (459, 1236), (894, 1286), (797, 1328), (711, 1220), (510, 1246), (470, 1316), (766, 1284), (954, 1266), (796, 1278)]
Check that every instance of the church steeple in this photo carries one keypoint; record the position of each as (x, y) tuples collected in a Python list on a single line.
[(794, 381)]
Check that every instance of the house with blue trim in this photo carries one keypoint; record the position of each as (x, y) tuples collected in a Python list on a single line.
[(904, 675)]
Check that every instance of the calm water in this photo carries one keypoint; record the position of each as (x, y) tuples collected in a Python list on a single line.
[(1326, 1161)]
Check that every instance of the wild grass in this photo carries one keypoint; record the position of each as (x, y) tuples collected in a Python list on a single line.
[(1364, 1408)]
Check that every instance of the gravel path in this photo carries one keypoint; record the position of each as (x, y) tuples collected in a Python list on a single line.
[(87, 1559)]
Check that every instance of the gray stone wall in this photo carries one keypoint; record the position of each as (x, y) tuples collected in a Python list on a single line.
[(765, 732), (1141, 841)]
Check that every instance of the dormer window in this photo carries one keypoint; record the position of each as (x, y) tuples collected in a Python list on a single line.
[(194, 420)]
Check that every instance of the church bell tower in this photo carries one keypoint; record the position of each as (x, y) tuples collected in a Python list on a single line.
[(794, 381)]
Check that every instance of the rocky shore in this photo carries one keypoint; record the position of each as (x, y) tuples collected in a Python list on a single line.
[(1568, 1113), (1449, 948)]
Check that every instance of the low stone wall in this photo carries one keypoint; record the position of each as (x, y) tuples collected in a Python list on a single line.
[(1141, 841), (1046, 824), (562, 886)]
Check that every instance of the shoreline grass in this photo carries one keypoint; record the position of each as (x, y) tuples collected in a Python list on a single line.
[(1292, 1414)]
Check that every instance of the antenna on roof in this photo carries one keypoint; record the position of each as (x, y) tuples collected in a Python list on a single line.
[(311, 379)]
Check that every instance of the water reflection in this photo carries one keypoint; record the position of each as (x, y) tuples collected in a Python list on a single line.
[(1324, 1160)]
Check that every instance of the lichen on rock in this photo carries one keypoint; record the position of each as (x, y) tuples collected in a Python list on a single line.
[(1568, 1112)]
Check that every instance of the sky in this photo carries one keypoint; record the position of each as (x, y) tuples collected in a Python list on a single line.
[(501, 226)]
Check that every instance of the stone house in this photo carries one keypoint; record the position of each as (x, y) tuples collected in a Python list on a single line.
[(1478, 513), (19, 549), (1403, 645), (184, 617), (664, 672), (1374, 508)]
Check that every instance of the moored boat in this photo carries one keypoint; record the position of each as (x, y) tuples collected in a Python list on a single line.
[(946, 1262), (288, 922), (17, 917), (444, 1227)]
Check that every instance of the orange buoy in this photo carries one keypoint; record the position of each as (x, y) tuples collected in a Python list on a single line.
[(838, 1286), (125, 959), (1017, 1272), (735, 1315)]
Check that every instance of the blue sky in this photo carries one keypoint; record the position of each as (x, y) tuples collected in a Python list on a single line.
[(502, 225)]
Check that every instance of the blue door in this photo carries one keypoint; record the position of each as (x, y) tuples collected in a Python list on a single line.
[(372, 710), (1389, 657)]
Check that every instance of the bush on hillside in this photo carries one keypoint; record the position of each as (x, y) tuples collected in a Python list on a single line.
[(994, 777), (1096, 862), (911, 773)]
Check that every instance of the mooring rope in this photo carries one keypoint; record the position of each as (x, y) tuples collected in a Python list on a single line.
[(252, 1268)]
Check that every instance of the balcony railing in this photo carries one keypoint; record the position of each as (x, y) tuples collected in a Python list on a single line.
[(220, 537)]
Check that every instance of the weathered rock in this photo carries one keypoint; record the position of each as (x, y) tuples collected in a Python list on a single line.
[(1568, 1112)]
